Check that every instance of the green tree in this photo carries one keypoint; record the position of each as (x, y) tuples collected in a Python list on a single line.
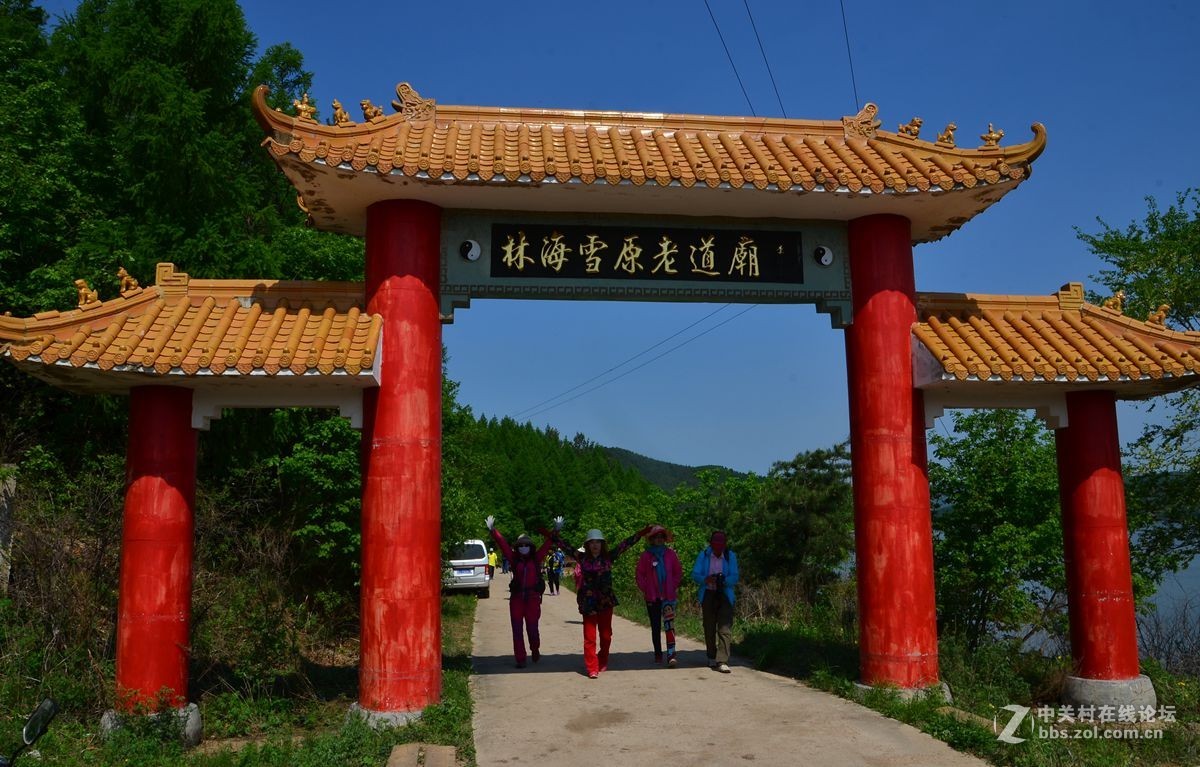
[(997, 527), (803, 522), (1157, 261), (44, 205)]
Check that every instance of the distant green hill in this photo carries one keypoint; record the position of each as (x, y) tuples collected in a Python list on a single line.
[(666, 475)]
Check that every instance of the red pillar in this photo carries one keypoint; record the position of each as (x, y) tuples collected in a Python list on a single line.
[(400, 666), (892, 526), (154, 605), (1096, 539)]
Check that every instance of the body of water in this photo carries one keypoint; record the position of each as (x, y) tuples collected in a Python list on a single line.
[(1178, 589)]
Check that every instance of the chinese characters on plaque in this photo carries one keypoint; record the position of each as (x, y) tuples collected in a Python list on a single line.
[(645, 253)]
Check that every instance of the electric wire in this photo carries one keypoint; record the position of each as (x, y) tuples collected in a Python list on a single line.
[(853, 80), (763, 51), (680, 345), (622, 364), (729, 56), (537, 409)]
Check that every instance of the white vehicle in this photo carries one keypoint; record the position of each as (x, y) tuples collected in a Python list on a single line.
[(468, 568)]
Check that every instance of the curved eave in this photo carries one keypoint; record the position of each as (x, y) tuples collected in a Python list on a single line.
[(620, 162), (966, 344), (204, 334)]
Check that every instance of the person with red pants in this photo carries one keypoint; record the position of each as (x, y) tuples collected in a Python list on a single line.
[(659, 574), (595, 595), (525, 591)]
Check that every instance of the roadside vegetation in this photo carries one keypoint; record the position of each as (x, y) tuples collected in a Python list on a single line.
[(99, 130)]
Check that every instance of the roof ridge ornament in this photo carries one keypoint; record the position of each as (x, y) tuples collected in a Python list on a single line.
[(863, 124), (991, 139), (304, 110), (371, 113), (946, 137), (170, 283), (128, 281), (911, 130), (410, 104), (340, 116), (1070, 296), (1158, 316), (1116, 302), (86, 295)]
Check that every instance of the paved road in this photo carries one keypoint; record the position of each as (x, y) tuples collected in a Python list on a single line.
[(639, 713)]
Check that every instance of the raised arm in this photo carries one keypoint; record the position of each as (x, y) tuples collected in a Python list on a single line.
[(624, 545), (505, 549), (547, 544), (556, 535)]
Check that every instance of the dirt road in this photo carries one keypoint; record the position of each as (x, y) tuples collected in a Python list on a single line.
[(640, 713)]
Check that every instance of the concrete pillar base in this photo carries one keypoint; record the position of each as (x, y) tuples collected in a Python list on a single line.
[(191, 727), (380, 719), (1109, 692), (940, 691)]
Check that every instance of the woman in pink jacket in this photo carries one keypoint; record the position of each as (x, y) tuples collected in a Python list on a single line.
[(658, 576)]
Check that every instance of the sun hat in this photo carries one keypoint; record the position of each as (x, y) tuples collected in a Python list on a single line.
[(524, 539), (593, 535), (659, 530)]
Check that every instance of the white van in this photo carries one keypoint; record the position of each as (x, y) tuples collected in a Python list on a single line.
[(468, 569)]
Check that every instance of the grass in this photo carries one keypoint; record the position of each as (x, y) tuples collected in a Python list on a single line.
[(823, 653), (292, 732)]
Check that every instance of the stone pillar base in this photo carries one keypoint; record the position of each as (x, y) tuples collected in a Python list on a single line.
[(380, 719), (1109, 692), (939, 691), (191, 728)]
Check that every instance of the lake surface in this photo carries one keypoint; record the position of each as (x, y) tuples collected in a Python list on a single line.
[(1178, 589)]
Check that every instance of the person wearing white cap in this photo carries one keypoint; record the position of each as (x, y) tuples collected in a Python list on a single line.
[(595, 595)]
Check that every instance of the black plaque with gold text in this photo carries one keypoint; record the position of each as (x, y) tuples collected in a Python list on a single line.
[(646, 253)]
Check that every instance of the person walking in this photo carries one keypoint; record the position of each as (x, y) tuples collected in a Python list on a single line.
[(716, 573), (659, 574), (525, 590), (554, 570), (491, 564), (595, 595)]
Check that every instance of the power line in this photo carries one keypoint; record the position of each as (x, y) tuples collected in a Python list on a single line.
[(853, 81), (764, 57), (622, 364), (647, 362), (598, 376), (729, 56)]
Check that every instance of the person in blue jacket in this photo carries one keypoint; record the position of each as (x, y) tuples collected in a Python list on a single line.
[(716, 572)]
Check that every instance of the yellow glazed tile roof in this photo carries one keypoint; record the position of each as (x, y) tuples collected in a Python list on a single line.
[(202, 328), (497, 147), (1052, 338)]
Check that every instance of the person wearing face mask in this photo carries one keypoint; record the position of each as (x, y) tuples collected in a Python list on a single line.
[(525, 590), (658, 576), (595, 596), (716, 572)]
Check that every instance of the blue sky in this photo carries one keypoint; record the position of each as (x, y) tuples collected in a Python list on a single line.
[(1114, 83)]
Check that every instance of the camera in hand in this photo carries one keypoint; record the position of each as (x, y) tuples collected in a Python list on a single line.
[(720, 580)]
